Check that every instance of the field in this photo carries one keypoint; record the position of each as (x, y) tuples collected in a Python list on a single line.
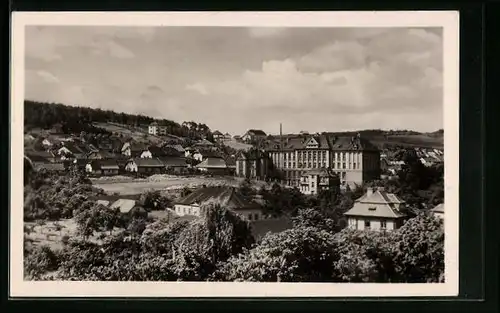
[(161, 182)]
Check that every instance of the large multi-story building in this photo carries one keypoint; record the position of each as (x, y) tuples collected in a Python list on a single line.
[(354, 159)]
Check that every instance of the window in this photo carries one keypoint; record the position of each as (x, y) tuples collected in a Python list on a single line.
[(383, 224), (367, 224), (289, 164), (354, 165), (250, 217), (343, 166), (256, 216)]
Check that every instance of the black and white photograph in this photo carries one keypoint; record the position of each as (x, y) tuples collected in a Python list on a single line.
[(246, 148)]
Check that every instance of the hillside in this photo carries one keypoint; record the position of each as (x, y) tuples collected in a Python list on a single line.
[(73, 119)]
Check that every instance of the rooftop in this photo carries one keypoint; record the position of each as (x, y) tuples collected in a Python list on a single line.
[(227, 197), (377, 203), (212, 162)]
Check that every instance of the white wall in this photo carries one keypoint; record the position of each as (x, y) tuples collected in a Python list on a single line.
[(375, 223), (146, 155)]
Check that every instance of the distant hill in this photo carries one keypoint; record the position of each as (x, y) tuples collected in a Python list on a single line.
[(75, 119)]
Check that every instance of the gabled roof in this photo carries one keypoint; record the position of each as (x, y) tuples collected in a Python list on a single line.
[(217, 133), (147, 162), (125, 205), (39, 156), (203, 142), (438, 208), (256, 132), (173, 161), (227, 197), (377, 204), (50, 166), (212, 163), (356, 143)]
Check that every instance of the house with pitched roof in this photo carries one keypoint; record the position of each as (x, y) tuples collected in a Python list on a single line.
[(106, 167), (218, 136), (214, 165), (438, 211), (376, 210), (254, 135), (145, 166), (175, 164), (227, 197), (316, 180), (135, 150)]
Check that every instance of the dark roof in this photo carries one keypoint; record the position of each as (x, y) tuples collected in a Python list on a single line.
[(256, 132), (39, 156), (173, 161), (146, 162), (227, 197), (156, 151), (325, 141), (50, 166), (353, 143), (217, 133)]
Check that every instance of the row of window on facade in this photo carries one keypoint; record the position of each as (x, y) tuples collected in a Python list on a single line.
[(367, 224), (348, 156), (298, 174), (317, 165)]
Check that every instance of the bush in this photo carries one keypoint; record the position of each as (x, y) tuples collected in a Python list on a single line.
[(39, 261)]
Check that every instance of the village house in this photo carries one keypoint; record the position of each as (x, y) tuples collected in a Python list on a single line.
[(237, 138), (253, 135), (252, 164), (226, 197), (376, 210), (316, 180), (99, 155), (145, 166), (214, 165), (218, 136), (227, 136), (193, 153), (135, 149), (175, 147), (107, 167), (438, 211), (175, 164)]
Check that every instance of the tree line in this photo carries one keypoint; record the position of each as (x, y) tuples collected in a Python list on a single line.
[(75, 119)]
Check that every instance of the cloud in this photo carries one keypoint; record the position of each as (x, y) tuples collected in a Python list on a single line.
[(197, 87), (47, 77), (313, 79), (258, 32)]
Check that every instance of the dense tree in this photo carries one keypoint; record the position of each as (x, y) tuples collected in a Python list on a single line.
[(281, 201)]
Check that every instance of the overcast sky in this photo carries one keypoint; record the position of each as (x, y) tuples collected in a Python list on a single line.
[(233, 79)]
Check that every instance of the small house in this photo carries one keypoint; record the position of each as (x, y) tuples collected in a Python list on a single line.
[(135, 149), (226, 197), (218, 136), (254, 135), (376, 210), (177, 165), (314, 181), (124, 205), (214, 165), (145, 166)]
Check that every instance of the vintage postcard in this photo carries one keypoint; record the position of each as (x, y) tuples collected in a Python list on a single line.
[(234, 154)]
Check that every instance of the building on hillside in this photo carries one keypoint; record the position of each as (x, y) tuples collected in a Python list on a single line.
[(376, 210), (227, 136), (226, 197), (135, 149), (438, 211), (253, 135), (252, 164), (218, 136), (214, 165), (316, 180), (355, 159), (145, 166), (157, 129), (100, 155)]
